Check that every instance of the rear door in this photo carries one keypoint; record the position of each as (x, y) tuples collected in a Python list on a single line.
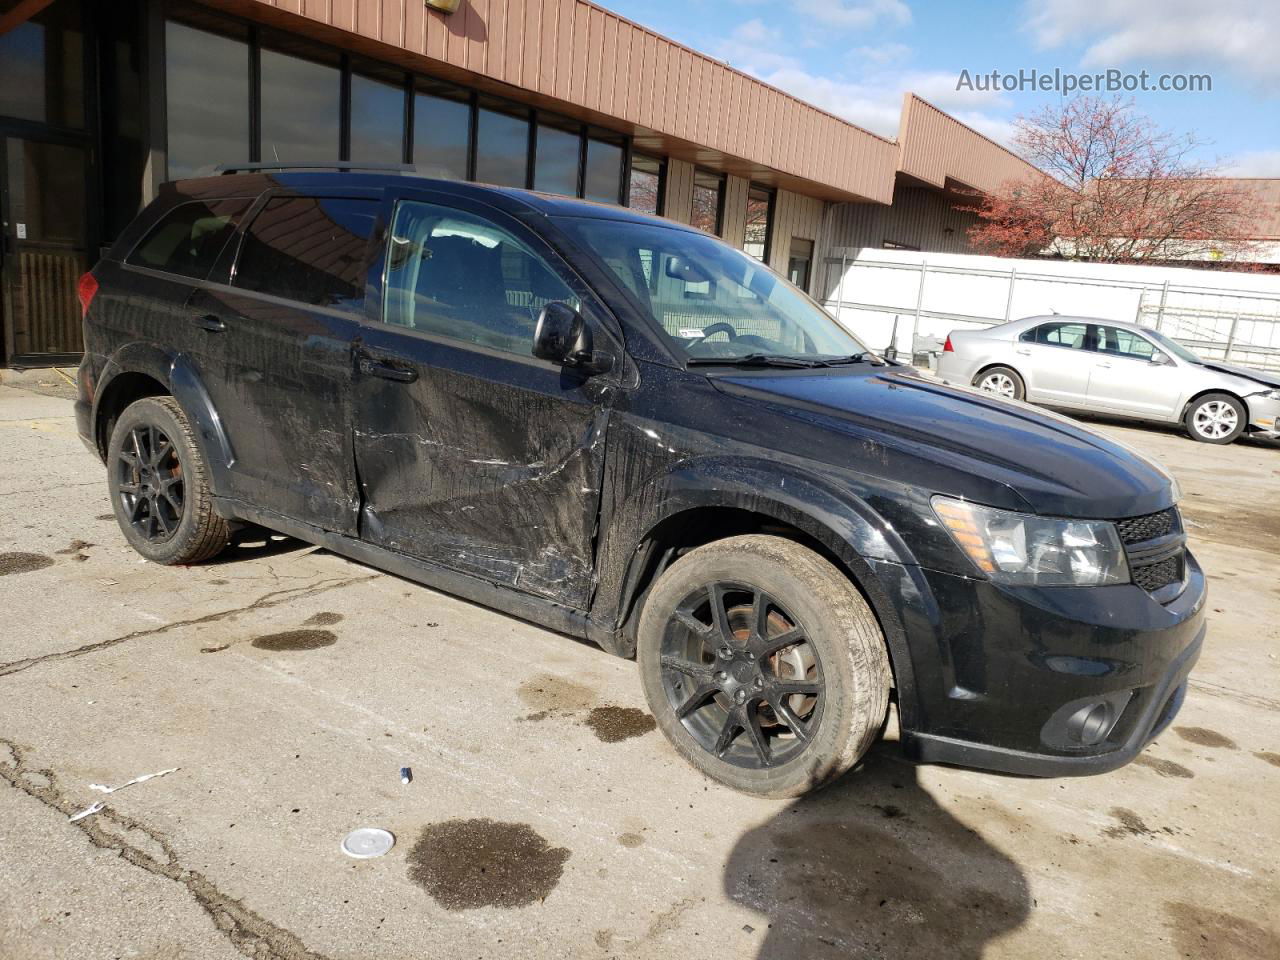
[(278, 330), (1124, 380), (1056, 359), (472, 454)]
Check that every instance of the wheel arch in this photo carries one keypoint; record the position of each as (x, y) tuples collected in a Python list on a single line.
[(1201, 394), (991, 365), (700, 504)]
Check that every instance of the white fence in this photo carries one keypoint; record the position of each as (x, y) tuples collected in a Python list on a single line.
[(912, 300)]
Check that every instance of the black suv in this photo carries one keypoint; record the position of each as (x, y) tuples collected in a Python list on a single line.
[(626, 430)]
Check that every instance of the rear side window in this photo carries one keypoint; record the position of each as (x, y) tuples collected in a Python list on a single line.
[(310, 249), (187, 240), (1062, 335), (1124, 343)]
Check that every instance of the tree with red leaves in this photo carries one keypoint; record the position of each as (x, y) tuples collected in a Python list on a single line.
[(1117, 190)]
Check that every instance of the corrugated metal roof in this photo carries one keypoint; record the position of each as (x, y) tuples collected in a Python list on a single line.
[(935, 148)]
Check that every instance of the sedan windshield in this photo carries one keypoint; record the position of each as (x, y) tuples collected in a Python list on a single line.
[(713, 302), (1172, 347)]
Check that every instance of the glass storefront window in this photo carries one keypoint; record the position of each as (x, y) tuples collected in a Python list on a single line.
[(42, 68), (300, 109), (441, 132), (555, 167), (502, 148), (377, 120), (759, 214), (603, 179), (207, 86), (645, 193), (708, 200)]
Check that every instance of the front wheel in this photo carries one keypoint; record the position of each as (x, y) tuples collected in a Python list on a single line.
[(1002, 381), (1215, 418), (763, 665)]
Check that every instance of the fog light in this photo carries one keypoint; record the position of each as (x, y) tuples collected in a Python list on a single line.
[(1091, 724)]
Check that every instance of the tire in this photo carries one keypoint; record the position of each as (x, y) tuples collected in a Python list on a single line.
[(840, 662), (1215, 418), (162, 499), (1002, 381)]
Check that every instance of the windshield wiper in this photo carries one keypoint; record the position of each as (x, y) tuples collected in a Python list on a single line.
[(758, 360), (850, 358)]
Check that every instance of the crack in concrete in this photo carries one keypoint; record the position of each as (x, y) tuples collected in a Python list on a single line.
[(1222, 690), (272, 599), (251, 934)]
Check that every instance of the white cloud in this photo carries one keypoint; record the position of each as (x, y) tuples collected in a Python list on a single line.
[(856, 14), (1241, 35), (873, 101), (1253, 163), (883, 53)]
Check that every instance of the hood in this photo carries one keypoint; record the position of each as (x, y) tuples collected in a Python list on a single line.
[(1262, 377), (963, 442)]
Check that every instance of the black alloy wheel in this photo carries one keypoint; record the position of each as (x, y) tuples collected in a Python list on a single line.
[(150, 483), (741, 675)]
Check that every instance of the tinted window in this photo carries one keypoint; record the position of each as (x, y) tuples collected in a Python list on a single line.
[(42, 67), (207, 87), (441, 135), (502, 148), (1062, 335), (645, 192), (459, 276), (300, 107), (377, 121), (1124, 343), (308, 249), (759, 209), (188, 238), (603, 180), (555, 168), (708, 192)]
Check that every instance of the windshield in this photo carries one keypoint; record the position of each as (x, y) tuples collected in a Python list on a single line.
[(1172, 347), (712, 301)]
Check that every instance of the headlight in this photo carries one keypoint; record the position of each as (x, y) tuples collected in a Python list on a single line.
[(1271, 395), (1022, 548)]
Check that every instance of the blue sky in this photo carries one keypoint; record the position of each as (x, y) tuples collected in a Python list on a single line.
[(856, 57)]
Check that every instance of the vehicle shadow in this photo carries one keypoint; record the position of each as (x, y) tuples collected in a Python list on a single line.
[(255, 543), (874, 866)]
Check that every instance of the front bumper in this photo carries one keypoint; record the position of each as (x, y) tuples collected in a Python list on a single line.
[(1002, 676), (1264, 416)]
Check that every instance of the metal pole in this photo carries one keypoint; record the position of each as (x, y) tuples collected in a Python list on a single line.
[(1231, 337), (915, 324), (1008, 304), (1164, 296)]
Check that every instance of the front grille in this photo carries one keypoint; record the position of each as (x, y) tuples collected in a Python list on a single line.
[(1156, 575), (1140, 529)]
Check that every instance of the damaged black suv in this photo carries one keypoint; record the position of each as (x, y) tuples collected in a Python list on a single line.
[(628, 431)]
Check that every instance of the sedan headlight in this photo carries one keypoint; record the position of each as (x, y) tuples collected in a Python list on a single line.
[(1270, 395), (1021, 548)]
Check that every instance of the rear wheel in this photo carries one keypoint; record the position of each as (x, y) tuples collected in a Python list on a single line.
[(160, 486), (1215, 418), (763, 665), (1002, 381)]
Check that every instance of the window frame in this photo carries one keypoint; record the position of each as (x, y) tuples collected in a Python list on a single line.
[(1088, 345), (1155, 347), (771, 200), (251, 206), (723, 181), (661, 199)]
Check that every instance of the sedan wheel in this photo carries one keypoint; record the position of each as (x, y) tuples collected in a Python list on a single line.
[(1216, 418), (1002, 381)]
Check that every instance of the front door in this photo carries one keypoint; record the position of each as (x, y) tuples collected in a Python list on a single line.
[(471, 453), (44, 248), (1125, 380)]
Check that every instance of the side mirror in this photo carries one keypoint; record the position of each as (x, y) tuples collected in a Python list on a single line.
[(563, 337), (1160, 359)]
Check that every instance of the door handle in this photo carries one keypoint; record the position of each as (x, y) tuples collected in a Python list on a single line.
[(1105, 364), (1023, 351), (376, 368), (209, 322)]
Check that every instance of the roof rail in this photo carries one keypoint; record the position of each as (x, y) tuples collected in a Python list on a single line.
[(227, 168)]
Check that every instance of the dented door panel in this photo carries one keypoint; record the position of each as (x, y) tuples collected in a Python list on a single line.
[(486, 463)]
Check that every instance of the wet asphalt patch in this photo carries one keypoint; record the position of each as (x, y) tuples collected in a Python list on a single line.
[(75, 546), (1206, 738), (323, 619), (468, 864), (23, 562), (1166, 768), (547, 694), (614, 724), (290, 640), (1269, 757)]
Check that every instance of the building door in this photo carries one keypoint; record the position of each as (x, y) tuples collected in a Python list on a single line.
[(44, 250)]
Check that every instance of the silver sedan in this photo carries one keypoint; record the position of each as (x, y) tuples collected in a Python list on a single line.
[(1104, 366)]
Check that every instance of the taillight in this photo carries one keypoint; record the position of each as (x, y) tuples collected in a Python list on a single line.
[(86, 290), (947, 347)]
